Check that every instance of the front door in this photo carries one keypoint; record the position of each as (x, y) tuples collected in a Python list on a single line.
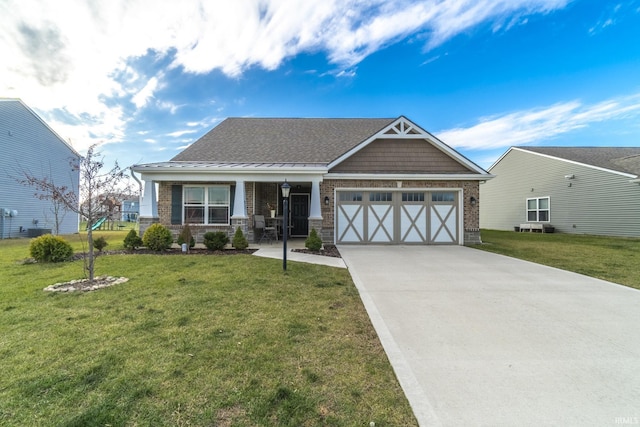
[(300, 215)]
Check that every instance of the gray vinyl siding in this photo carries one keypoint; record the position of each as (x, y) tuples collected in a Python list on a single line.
[(595, 202), (27, 144)]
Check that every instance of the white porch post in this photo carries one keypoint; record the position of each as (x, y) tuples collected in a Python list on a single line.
[(315, 213), (239, 208), (148, 202)]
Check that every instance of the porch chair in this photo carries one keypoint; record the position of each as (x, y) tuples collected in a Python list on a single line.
[(268, 233)]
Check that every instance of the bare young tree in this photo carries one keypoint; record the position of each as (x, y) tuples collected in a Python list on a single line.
[(95, 187)]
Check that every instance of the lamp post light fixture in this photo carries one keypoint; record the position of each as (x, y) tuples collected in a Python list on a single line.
[(286, 188)]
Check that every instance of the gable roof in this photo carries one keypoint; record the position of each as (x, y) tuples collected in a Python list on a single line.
[(281, 140), (618, 159)]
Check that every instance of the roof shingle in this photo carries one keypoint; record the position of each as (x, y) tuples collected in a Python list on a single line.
[(277, 140), (620, 159)]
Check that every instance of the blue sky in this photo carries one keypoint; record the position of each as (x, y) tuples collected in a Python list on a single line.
[(145, 78)]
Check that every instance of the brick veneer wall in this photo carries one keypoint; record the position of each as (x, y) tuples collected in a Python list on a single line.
[(469, 189)]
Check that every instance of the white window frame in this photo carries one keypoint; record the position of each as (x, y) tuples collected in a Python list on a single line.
[(206, 205), (537, 209)]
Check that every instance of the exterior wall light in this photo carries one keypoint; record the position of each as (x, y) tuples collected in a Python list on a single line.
[(326, 200), (473, 201)]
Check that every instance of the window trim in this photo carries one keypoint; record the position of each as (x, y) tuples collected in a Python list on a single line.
[(206, 205), (537, 210)]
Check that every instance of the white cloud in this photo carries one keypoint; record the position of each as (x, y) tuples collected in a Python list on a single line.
[(80, 55), (141, 98), (537, 125), (179, 133)]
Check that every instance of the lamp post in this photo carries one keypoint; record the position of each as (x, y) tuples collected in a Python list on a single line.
[(286, 188)]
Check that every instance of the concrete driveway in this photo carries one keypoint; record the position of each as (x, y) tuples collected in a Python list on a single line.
[(482, 339)]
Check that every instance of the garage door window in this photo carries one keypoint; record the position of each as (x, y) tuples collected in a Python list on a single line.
[(443, 196), (350, 196), (380, 197), (413, 197)]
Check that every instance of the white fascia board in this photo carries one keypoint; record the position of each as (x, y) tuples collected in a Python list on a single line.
[(573, 162), (411, 177), (500, 158), (422, 134), (194, 176)]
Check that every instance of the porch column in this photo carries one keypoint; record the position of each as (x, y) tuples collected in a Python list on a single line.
[(239, 208), (148, 202), (315, 213)]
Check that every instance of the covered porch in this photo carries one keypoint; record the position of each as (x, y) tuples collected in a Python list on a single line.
[(240, 196)]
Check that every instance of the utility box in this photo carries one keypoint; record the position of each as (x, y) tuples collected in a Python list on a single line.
[(35, 232)]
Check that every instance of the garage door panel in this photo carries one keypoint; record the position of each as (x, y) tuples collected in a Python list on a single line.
[(413, 223), (380, 223), (443, 224), (350, 223)]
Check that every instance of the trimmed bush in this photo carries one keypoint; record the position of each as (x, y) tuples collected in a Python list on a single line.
[(48, 248), (185, 236), (239, 240), (132, 241), (215, 240), (157, 238), (313, 242), (100, 243)]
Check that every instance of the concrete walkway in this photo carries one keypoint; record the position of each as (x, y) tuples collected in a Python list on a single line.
[(275, 250), (482, 339)]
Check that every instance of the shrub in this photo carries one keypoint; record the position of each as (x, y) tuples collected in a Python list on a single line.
[(186, 236), (48, 248), (239, 240), (100, 243), (215, 240), (313, 242), (157, 238), (132, 241)]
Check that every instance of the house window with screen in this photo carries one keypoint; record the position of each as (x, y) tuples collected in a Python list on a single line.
[(538, 209), (206, 204)]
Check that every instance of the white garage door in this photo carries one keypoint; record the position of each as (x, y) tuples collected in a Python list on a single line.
[(397, 217)]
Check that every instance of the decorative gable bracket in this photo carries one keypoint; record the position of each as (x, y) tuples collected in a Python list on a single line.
[(402, 127)]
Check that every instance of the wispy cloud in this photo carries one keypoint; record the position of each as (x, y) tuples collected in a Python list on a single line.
[(180, 133), (540, 124)]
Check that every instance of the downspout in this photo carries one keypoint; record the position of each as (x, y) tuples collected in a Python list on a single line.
[(137, 180)]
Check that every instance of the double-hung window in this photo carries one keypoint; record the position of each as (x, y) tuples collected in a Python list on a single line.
[(206, 204), (538, 209)]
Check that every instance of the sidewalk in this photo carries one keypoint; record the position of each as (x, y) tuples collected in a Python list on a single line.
[(275, 250)]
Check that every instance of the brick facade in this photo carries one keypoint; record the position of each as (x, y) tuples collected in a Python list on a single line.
[(261, 193)]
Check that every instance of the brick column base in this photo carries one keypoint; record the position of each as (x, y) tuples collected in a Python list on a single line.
[(145, 222), (244, 225), (472, 236), (317, 224)]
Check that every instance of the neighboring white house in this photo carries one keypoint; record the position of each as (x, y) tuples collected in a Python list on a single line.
[(581, 190), (29, 145)]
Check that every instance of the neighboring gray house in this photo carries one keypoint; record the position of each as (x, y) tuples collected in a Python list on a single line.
[(582, 190), (29, 145), (356, 181)]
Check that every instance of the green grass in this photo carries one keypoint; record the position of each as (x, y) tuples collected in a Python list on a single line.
[(190, 340), (615, 259)]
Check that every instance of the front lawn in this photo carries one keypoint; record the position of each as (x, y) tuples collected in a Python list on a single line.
[(190, 340), (615, 259)]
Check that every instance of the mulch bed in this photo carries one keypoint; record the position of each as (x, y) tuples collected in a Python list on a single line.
[(328, 250)]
